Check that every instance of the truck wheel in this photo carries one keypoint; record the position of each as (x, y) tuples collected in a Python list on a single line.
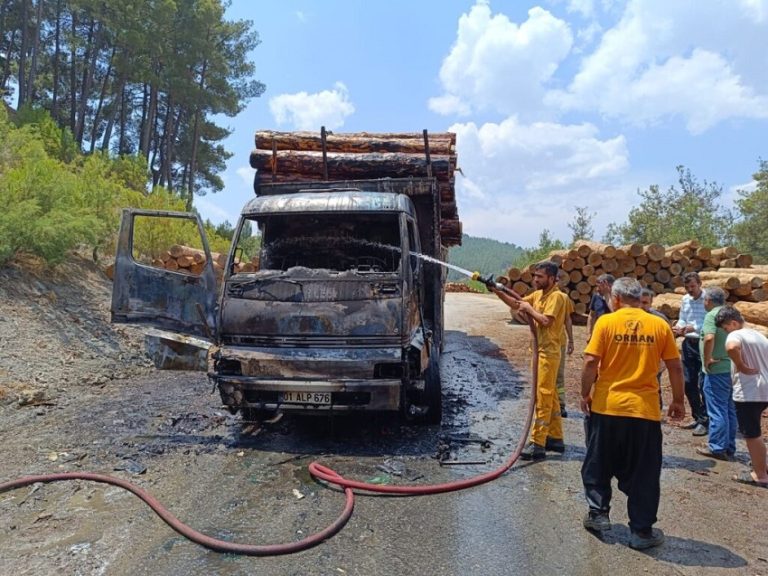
[(259, 416), (433, 393)]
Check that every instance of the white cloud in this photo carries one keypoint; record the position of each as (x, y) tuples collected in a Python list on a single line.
[(584, 7), (731, 194), (448, 104), (750, 186), (756, 9), (303, 111), (499, 66), (519, 179), (213, 211), (696, 61), (246, 174)]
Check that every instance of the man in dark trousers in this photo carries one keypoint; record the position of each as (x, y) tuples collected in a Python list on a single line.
[(620, 396), (692, 313)]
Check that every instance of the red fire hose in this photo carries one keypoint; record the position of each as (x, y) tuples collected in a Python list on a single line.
[(318, 471)]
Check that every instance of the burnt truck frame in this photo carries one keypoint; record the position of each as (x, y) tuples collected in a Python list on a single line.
[(340, 316)]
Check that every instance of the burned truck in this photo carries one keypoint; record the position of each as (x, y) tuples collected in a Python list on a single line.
[(340, 310)]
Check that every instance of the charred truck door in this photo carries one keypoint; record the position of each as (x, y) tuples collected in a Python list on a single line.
[(181, 303)]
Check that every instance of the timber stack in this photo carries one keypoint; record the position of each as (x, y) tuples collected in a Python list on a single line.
[(460, 287), (188, 260), (657, 267), (306, 156)]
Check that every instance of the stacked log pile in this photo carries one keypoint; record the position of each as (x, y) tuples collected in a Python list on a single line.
[(460, 287), (657, 267), (298, 156), (188, 260)]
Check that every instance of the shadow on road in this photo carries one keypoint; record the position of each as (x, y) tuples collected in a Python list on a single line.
[(681, 551)]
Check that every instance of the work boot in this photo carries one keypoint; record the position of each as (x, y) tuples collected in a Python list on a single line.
[(533, 452), (648, 538), (597, 520), (555, 445)]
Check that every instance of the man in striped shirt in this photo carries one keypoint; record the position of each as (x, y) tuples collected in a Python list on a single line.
[(692, 313)]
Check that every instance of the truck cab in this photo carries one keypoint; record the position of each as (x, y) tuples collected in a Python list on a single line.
[(336, 311)]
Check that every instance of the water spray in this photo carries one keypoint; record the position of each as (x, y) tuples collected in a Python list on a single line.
[(488, 280)]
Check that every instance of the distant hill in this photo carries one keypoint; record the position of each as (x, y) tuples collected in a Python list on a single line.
[(482, 254)]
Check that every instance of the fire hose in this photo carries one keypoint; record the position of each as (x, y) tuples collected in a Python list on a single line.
[(318, 471)]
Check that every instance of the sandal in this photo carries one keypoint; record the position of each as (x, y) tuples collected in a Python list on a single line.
[(746, 478)]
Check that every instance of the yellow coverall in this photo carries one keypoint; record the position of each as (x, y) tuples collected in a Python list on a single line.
[(547, 420)]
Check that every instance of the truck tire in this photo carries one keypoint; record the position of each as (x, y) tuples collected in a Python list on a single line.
[(258, 415), (433, 390)]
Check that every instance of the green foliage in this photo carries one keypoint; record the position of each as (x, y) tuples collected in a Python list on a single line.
[(541, 252), (249, 243), (153, 236), (52, 206), (482, 254), (750, 231), (581, 227), (219, 237), (147, 77), (690, 212), (130, 171), (58, 142), (48, 208)]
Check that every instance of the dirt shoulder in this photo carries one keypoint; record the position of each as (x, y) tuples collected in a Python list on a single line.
[(55, 332)]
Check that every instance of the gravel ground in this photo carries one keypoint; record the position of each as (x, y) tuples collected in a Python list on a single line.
[(76, 393)]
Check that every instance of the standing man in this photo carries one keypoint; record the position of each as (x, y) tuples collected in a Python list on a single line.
[(748, 351), (646, 303), (546, 306), (601, 301), (688, 326), (619, 394), (717, 381), (566, 349)]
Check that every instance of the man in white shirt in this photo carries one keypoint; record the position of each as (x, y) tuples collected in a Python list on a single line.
[(748, 351)]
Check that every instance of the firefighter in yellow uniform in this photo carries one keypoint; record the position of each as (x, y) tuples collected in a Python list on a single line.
[(547, 307)]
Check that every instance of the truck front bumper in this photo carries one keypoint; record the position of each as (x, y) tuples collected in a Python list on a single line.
[(309, 395), (309, 379)]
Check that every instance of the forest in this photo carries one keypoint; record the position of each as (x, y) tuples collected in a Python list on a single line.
[(110, 104), (144, 78)]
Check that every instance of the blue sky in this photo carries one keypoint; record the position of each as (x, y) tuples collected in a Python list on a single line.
[(556, 104)]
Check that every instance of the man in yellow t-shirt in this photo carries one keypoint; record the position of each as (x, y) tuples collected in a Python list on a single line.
[(620, 398), (546, 306)]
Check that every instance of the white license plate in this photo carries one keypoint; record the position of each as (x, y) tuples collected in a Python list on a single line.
[(306, 397)]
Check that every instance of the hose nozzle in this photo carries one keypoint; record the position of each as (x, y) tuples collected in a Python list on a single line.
[(487, 280)]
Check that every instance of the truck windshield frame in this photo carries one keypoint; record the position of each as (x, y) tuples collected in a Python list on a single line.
[(333, 242)]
